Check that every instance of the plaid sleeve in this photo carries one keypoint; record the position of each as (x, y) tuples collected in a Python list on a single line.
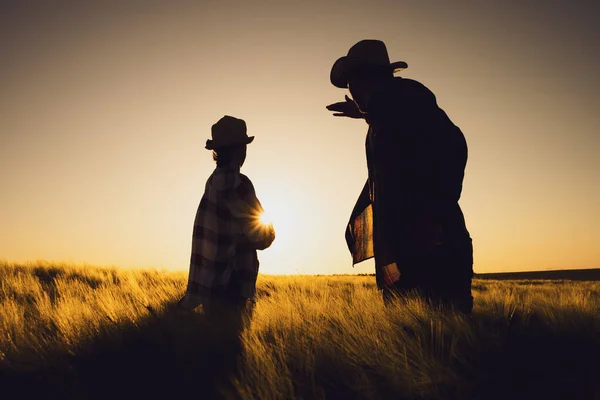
[(246, 209)]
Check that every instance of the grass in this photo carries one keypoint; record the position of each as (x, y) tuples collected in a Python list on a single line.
[(87, 332)]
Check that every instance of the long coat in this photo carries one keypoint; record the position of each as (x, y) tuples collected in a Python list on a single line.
[(407, 215)]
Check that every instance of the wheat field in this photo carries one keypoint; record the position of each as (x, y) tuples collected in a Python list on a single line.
[(76, 331)]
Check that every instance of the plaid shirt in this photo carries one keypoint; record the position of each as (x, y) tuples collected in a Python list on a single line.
[(226, 235)]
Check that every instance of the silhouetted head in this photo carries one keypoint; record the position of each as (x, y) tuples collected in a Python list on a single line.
[(229, 142), (230, 156), (364, 84), (365, 71)]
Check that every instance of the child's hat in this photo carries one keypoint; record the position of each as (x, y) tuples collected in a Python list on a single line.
[(228, 131)]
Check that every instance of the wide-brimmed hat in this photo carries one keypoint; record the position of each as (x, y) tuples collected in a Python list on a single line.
[(364, 56), (228, 131)]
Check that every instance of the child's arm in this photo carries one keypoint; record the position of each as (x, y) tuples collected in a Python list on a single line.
[(246, 209)]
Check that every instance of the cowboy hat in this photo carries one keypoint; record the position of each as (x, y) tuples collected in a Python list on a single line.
[(228, 131), (364, 55)]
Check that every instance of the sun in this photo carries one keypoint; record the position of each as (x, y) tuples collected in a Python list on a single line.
[(266, 218), (296, 223), (278, 214)]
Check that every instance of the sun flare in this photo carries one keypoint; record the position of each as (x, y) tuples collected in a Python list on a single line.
[(266, 218), (279, 212), (278, 215)]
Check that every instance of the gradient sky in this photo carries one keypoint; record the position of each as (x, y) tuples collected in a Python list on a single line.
[(105, 108)]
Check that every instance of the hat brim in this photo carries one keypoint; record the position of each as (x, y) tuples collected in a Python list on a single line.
[(212, 145), (340, 71)]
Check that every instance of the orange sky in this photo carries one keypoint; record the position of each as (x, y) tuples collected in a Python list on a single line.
[(105, 110)]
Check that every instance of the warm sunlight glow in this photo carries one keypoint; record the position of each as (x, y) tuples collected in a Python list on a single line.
[(292, 230), (278, 214), (266, 218), (105, 110)]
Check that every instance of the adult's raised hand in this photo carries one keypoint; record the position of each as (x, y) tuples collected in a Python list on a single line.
[(346, 108)]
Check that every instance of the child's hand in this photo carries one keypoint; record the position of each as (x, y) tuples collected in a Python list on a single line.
[(271, 233), (268, 238)]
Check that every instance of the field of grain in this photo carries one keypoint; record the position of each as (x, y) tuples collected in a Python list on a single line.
[(89, 332)]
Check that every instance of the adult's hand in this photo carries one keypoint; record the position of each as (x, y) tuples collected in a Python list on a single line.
[(346, 108)]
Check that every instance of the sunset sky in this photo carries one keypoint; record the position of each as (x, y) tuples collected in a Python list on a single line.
[(105, 110)]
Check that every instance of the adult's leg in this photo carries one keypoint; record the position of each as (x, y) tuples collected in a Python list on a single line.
[(405, 286), (453, 294), (460, 292), (441, 276), (461, 265), (390, 294), (451, 273)]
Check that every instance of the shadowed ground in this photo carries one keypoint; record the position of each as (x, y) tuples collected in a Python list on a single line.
[(166, 355)]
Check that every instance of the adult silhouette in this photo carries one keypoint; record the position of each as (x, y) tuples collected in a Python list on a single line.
[(407, 215)]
